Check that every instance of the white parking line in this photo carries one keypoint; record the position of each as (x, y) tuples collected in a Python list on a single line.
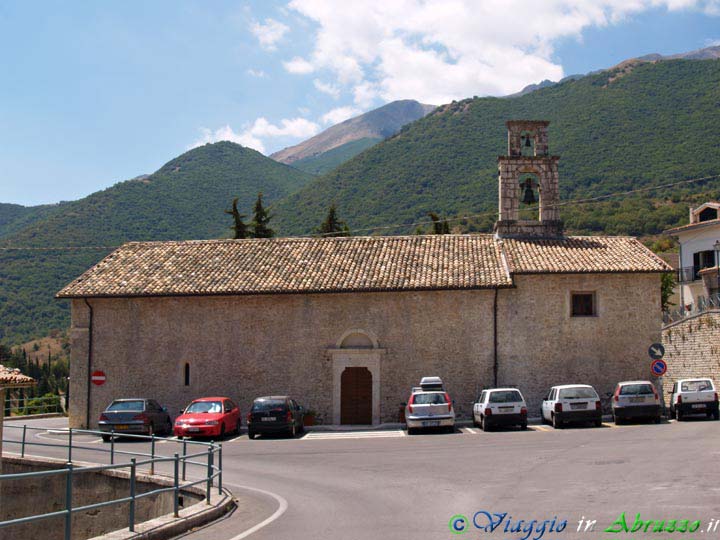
[(235, 438), (470, 430), (319, 435)]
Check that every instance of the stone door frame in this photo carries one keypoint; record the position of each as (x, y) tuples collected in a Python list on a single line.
[(369, 358)]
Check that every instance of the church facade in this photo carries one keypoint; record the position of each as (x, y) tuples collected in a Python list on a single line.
[(348, 325)]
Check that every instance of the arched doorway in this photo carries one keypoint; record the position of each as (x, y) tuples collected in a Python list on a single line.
[(356, 396), (356, 378)]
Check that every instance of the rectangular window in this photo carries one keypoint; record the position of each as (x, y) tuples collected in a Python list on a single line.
[(583, 304)]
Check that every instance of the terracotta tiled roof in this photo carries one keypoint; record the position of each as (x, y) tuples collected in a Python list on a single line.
[(295, 265), (315, 265), (691, 226), (580, 254), (12, 377)]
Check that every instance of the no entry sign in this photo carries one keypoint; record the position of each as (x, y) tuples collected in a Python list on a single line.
[(658, 367), (98, 377)]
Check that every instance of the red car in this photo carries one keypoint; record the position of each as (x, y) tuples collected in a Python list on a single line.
[(209, 417)]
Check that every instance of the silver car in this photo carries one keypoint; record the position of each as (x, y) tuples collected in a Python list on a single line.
[(634, 400), (429, 409)]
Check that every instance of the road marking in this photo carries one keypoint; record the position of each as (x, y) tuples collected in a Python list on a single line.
[(235, 438), (470, 430), (319, 435), (283, 505), (539, 428), (606, 424)]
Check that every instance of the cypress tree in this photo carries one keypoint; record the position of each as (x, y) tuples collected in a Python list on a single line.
[(239, 227), (332, 226), (440, 226), (261, 218)]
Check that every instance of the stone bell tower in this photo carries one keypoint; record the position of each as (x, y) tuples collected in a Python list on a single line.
[(529, 177)]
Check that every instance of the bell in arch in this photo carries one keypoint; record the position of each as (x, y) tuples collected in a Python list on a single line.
[(528, 193), (528, 144)]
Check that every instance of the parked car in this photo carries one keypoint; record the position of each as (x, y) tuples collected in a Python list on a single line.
[(500, 407), (209, 417), (572, 403), (275, 414), (635, 399), (428, 408), (136, 416), (694, 396)]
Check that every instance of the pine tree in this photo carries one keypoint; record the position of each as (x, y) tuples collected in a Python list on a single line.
[(440, 226), (261, 218), (332, 226), (239, 227)]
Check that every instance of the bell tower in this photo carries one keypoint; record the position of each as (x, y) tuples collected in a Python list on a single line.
[(528, 176)]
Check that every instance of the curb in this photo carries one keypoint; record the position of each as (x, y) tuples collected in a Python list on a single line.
[(33, 417)]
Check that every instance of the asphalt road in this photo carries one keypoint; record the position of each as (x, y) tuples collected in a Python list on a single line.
[(390, 485)]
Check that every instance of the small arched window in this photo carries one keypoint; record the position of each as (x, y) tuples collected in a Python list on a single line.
[(187, 374)]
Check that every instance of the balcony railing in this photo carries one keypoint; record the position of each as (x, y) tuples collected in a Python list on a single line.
[(687, 274)]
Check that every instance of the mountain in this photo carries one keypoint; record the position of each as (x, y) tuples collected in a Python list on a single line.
[(327, 161), (14, 217), (377, 124), (616, 130), (184, 199)]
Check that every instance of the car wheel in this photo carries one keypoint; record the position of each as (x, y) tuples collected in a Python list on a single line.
[(484, 424), (678, 415), (237, 427), (293, 431), (523, 426), (222, 431), (557, 424), (411, 431), (106, 438), (657, 419), (450, 429), (151, 430), (716, 415), (251, 435), (598, 423), (475, 422)]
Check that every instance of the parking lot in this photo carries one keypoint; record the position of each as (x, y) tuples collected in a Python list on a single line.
[(385, 484)]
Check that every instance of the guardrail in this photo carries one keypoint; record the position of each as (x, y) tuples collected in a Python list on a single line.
[(211, 471), (33, 405), (703, 304)]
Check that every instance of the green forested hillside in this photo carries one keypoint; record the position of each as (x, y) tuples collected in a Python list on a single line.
[(327, 161), (184, 199), (653, 125), (15, 217)]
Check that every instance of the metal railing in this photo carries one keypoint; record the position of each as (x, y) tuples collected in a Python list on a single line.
[(23, 406), (203, 459), (702, 304)]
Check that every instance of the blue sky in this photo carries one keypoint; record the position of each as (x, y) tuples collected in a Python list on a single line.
[(92, 93)]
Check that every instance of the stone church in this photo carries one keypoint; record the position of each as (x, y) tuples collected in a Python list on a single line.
[(348, 325)]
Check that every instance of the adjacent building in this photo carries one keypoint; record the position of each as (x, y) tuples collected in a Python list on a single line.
[(348, 325), (699, 256)]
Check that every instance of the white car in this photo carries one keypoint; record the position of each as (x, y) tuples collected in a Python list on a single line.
[(429, 409), (694, 396), (572, 403), (500, 407), (635, 399)]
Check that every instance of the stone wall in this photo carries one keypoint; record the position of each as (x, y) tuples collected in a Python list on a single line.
[(26, 497), (245, 347), (692, 349)]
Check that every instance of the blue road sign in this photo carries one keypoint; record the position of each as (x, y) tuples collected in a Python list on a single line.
[(658, 367), (656, 351)]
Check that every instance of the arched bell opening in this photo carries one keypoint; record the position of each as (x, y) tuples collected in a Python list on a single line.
[(529, 186)]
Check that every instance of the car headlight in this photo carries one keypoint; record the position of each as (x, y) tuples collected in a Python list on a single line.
[(211, 422)]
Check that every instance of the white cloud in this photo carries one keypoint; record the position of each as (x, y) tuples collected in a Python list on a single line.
[(259, 73), (255, 135), (299, 66), (439, 50), (337, 115), (712, 42), (269, 33), (329, 89)]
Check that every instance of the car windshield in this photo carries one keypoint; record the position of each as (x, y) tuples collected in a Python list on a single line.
[(138, 405), (268, 405), (636, 389), (204, 407), (579, 392), (434, 398), (696, 386), (505, 396)]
